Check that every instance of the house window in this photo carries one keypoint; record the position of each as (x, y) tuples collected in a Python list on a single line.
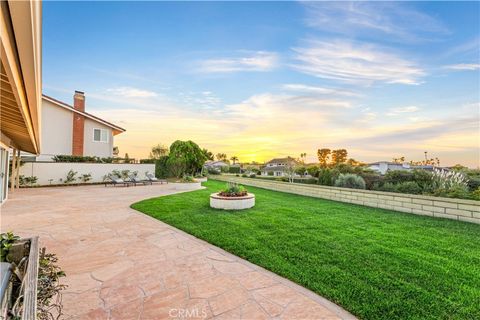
[(100, 135)]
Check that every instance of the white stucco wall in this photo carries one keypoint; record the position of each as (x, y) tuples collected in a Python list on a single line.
[(46, 171), (56, 136), (96, 148)]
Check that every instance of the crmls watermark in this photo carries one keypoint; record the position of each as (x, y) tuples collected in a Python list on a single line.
[(187, 313)]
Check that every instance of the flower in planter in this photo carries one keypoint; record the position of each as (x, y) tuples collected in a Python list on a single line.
[(233, 190)]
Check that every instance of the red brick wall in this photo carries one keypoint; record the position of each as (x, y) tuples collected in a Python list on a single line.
[(78, 124)]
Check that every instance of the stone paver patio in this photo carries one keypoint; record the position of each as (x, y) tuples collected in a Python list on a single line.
[(121, 264)]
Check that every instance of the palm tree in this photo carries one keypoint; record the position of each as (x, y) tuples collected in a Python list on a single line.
[(221, 156), (234, 158), (303, 156)]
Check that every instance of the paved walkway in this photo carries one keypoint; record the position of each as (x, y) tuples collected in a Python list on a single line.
[(121, 264)]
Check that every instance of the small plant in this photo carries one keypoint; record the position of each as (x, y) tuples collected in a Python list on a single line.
[(349, 180), (187, 179), (233, 190), (71, 176), (409, 187), (253, 175), (27, 181), (49, 302), (6, 242), (124, 174), (85, 177)]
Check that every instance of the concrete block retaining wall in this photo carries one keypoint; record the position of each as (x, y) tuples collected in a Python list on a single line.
[(456, 209)]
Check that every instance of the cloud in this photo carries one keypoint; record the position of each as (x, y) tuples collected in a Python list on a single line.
[(397, 20), (129, 92), (318, 90), (355, 63), (257, 61), (463, 66), (401, 110), (267, 125)]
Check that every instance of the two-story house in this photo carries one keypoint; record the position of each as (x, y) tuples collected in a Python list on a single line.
[(278, 166), (69, 130)]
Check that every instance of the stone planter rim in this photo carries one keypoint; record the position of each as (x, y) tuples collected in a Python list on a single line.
[(217, 196)]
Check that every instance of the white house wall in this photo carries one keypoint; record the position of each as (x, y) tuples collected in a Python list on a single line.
[(56, 135), (51, 172), (96, 148)]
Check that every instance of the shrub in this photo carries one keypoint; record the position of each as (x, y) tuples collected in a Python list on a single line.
[(224, 169), (304, 180), (253, 175), (147, 160), (424, 179), (27, 181), (473, 182), (325, 177), (397, 176), (244, 175), (386, 187), (71, 176), (454, 192), (410, 187), (349, 180), (371, 178), (187, 178), (270, 173), (476, 194), (233, 169), (161, 168), (85, 177), (313, 171), (212, 170)]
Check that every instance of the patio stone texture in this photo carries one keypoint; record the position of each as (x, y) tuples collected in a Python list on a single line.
[(122, 264)]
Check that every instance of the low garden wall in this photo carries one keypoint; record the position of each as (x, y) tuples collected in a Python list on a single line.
[(50, 173), (456, 209)]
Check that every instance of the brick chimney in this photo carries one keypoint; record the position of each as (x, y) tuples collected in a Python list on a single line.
[(78, 123)]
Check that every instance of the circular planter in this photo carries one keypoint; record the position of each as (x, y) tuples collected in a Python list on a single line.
[(204, 179), (232, 203), (187, 185)]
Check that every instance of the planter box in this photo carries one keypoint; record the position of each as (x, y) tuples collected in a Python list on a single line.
[(187, 186), (27, 248), (204, 179), (232, 203)]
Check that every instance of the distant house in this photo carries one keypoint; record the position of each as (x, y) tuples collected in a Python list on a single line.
[(69, 130), (277, 167), (215, 165), (383, 166)]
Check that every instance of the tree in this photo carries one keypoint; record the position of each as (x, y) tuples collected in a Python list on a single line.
[(354, 163), (208, 154), (399, 160), (303, 157), (158, 151), (290, 168), (221, 157), (234, 159), (323, 157), (185, 157), (339, 156)]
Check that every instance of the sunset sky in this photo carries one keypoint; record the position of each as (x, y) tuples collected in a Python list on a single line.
[(266, 79)]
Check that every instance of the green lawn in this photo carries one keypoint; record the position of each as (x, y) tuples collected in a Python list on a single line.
[(376, 263)]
